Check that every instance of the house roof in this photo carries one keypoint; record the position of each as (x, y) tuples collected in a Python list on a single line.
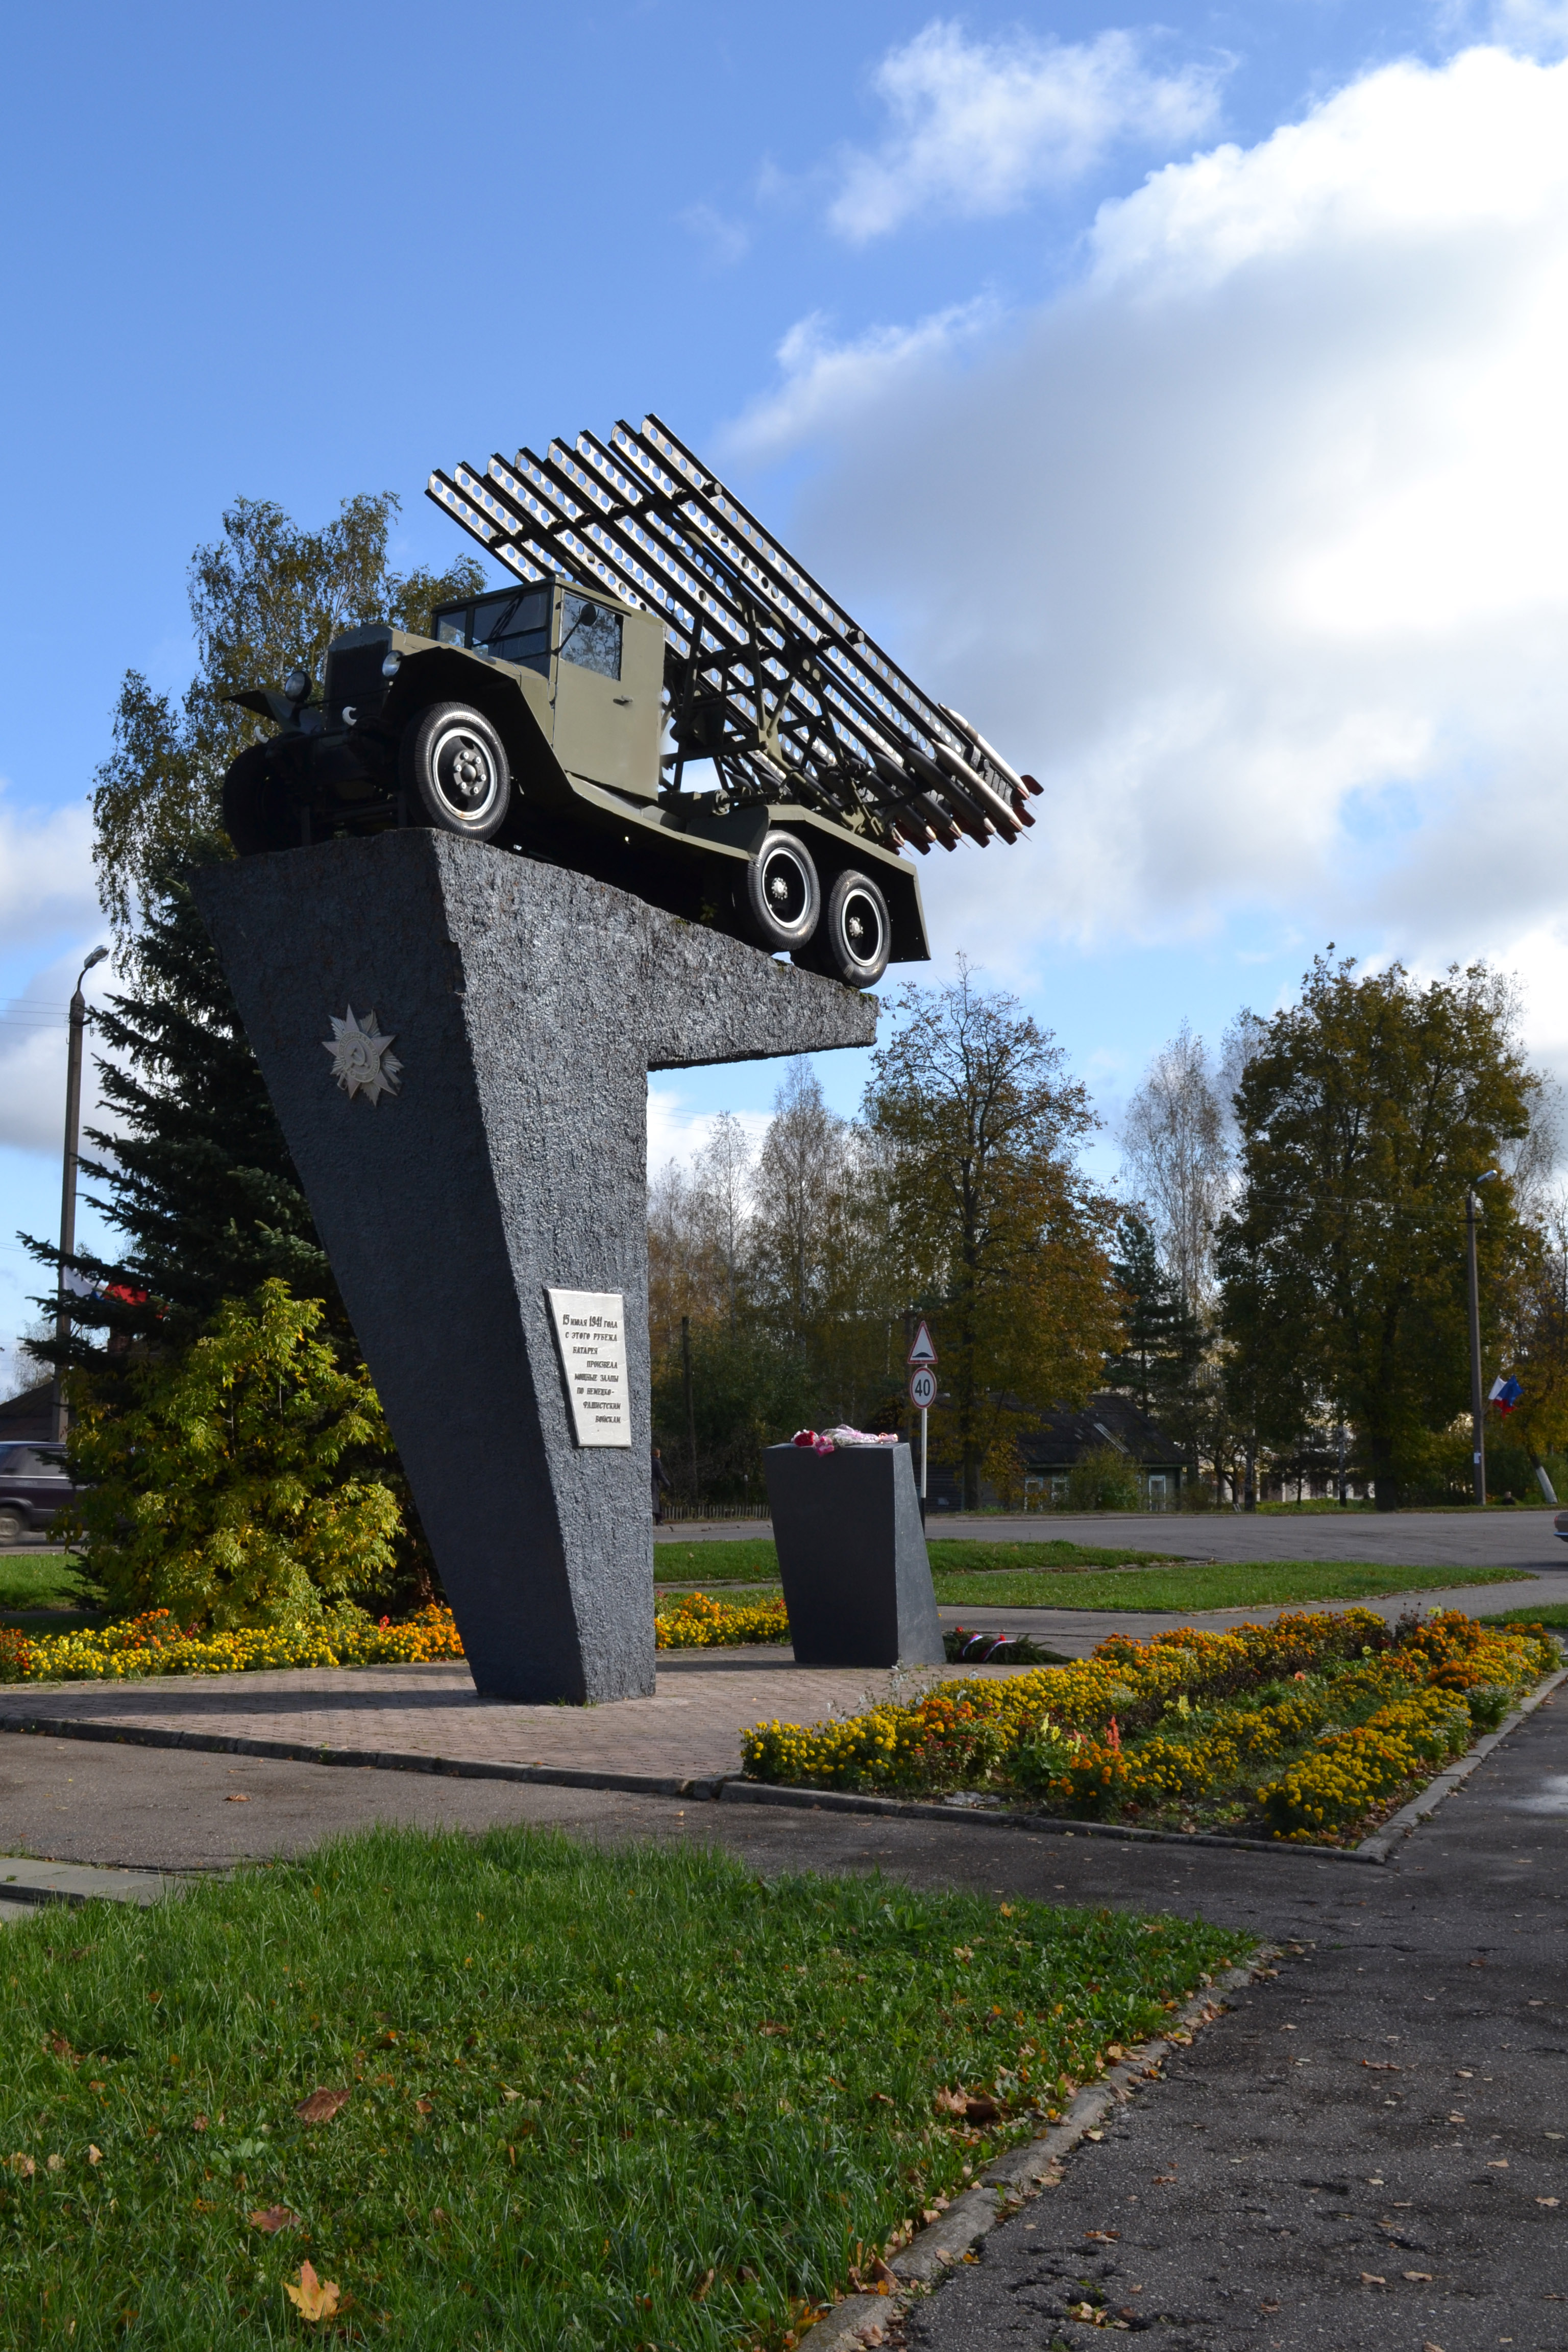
[(29, 1415), (1065, 1433)]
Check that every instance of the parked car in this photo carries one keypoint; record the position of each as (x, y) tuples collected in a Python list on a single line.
[(34, 1485)]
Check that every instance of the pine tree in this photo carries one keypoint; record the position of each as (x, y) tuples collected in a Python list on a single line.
[(198, 1177), (1162, 1337)]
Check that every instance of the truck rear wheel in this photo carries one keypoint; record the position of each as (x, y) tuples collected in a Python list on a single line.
[(778, 898), (454, 768), (855, 936), (258, 813)]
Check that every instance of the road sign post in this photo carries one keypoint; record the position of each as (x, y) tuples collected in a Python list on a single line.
[(923, 1396)]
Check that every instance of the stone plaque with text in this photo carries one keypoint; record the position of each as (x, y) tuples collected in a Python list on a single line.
[(591, 1332)]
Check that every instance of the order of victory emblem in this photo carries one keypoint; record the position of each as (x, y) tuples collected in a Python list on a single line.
[(362, 1060)]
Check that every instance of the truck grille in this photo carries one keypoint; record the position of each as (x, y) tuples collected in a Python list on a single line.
[(354, 682)]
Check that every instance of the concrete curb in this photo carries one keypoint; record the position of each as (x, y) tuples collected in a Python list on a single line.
[(1014, 2179), (293, 1751), (1380, 1847), (33, 1884), (763, 1793)]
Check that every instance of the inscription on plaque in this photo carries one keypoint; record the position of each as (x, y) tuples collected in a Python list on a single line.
[(591, 1333)]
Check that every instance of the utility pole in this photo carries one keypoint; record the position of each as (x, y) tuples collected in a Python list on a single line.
[(1477, 1405), (68, 1186)]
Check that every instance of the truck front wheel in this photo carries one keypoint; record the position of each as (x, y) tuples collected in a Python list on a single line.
[(257, 813), (454, 768), (779, 897), (855, 936)]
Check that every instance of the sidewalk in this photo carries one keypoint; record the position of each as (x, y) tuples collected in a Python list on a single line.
[(687, 1737), (430, 1719)]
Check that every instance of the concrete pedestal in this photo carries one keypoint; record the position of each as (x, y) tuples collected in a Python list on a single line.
[(498, 1152), (852, 1556)]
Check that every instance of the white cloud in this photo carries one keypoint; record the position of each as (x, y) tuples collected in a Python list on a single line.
[(727, 241), (979, 126), (33, 1041), (676, 1133), (1254, 546), (46, 871), (828, 384)]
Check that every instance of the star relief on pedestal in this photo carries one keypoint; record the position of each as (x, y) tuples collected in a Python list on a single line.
[(362, 1061)]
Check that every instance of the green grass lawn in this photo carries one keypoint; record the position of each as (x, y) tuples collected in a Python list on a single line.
[(607, 2099), (1553, 1613), (755, 1560), (39, 1580), (1229, 1585)]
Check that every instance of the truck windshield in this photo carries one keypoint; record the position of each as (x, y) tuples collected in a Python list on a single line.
[(513, 628)]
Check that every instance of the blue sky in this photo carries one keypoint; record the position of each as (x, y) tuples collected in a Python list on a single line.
[(1181, 399)]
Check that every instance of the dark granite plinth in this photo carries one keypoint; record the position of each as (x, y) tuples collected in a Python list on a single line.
[(526, 1006), (852, 1556)]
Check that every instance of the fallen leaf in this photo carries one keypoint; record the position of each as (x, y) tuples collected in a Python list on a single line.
[(1382, 2066), (423, 2106), (198, 2123), (1430, 2346), (1418, 2278), (1371, 2278), (322, 2106), (62, 2049), (1547, 2200), (950, 2103), (55, 2163), (699, 2291), (1106, 2237), (273, 2218), (233, 1800), (25, 2166), (94, 2155), (768, 2026), (982, 2111), (1269, 2306), (1006, 1909), (1496, 2164), (313, 2298)]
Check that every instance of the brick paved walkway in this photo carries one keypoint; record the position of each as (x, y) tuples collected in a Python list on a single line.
[(429, 1717)]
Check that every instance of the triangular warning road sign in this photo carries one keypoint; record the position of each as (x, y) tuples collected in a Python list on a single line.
[(923, 1352)]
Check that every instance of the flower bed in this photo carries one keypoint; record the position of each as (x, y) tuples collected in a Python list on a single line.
[(156, 1644), (1298, 1731), (695, 1621)]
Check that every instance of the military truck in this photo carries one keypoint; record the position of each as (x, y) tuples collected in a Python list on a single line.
[(662, 698)]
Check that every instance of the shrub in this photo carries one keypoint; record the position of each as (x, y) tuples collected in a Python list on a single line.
[(1104, 1480), (222, 1490)]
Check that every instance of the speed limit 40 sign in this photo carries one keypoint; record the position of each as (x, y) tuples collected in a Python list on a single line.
[(922, 1387)]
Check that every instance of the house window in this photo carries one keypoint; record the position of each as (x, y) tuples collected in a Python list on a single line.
[(1158, 1488)]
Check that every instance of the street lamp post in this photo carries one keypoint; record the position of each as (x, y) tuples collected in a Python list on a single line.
[(68, 1185), (1478, 1403)]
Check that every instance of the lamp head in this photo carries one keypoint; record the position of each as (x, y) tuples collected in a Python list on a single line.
[(96, 957)]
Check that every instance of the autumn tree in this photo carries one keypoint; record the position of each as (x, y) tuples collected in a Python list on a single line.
[(1365, 1112), (1176, 1151), (990, 1216), (265, 595)]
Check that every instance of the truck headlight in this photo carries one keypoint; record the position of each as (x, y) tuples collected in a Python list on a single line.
[(296, 686), (391, 664)]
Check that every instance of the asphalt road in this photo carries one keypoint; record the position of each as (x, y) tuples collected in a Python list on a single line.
[(1355, 2157), (1522, 1538)]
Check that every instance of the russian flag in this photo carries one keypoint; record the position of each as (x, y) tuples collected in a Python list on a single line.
[(1505, 1393)]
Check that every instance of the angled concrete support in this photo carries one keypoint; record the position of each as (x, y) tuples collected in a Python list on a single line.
[(491, 1151)]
